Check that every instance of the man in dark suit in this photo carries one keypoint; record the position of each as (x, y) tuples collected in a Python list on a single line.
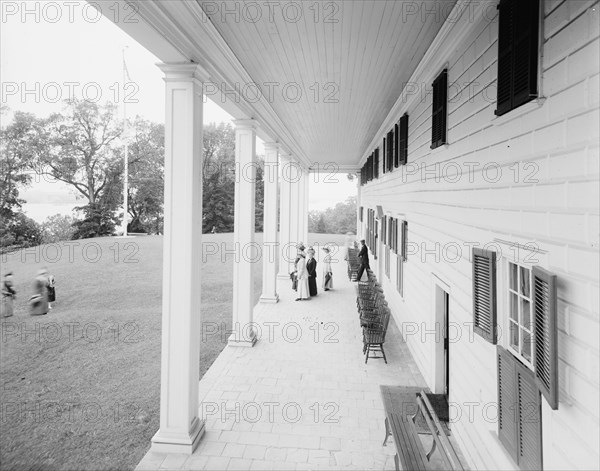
[(363, 256)]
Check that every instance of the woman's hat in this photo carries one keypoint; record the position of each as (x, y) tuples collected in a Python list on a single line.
[(300, 247)]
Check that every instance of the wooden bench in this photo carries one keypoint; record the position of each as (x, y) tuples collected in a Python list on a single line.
[(409, 448)]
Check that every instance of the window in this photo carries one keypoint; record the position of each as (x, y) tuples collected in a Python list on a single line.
[(518, 31), (405, 241), (402, 156), (384, 229), (390, 150), (439, 110), (520, 325), (376, 164), (400, 275), (484, 294), (384, 154), (387, 261), (519, 411), (396, 145)]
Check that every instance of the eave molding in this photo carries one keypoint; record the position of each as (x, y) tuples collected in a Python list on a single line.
[(173, 21), (434, 58)]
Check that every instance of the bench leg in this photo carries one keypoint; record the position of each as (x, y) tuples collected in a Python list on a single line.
[(387, 432), (432, 449), (384, 358), (368, 351), (396, 462)]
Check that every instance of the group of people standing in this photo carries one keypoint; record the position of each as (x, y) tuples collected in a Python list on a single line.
[(304, 276), (44, 294)]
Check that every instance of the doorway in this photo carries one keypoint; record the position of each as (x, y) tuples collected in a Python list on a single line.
[(442, 343), (441, 389)]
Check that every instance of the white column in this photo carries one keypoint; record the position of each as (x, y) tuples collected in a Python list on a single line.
[(243, 233), (359, 234), (180, 428), (295, 208), (285, 215), (271, 206), (306, 179)]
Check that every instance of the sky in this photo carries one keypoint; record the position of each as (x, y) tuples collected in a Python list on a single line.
[(50, 51)]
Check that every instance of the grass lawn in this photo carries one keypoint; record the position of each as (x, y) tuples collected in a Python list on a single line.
[(80, 386)]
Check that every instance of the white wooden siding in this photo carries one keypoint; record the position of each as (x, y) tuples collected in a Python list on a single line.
[(555, 208)]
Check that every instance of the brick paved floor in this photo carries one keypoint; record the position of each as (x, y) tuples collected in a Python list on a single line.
[(302, 397)]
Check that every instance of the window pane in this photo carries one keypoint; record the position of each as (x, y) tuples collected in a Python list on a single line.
[(525, 281), (512, 275), (514, 306), (526, 351), (514, 336), (525, 314)]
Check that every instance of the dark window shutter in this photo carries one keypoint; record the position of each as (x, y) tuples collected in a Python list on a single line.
[(403, 141), (518, 31), (507, 402), (384, 155), (404, 240), (525, 52), (376, 164), (396, 145), (529, 420), (390, 150), (505, 57), (545, 359), (519, 412), (383, 231), (439, 110), (484, 294)]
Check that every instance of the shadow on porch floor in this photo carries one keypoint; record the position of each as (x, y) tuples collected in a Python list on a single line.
[(302, 397)]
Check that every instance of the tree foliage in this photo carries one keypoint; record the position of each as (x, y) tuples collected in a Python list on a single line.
[(57, 228), (19, 142), (145, 190), (80, 147), (19, 232), (337, 220), (218, 179)]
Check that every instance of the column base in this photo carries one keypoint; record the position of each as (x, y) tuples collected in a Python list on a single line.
[(269, 299), (178, 443)]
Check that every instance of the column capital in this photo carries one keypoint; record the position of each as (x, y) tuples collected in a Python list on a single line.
[(245, 124), (183, 71)]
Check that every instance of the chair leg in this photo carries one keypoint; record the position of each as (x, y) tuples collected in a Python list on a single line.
[(384, 358)]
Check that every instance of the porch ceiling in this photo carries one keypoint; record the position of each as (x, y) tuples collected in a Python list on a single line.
[(349, 59), (329, 72)]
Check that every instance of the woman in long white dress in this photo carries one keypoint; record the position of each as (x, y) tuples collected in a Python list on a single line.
[(327, 272), (303, 292)]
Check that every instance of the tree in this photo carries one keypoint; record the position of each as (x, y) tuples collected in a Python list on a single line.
[(80, 147), (19, 232), (218, 178), (338, 220), (99, 221), (57, 228), (18, 144), (146, 176)]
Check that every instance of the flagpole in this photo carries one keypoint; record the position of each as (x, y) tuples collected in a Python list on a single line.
[(126, 152)]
